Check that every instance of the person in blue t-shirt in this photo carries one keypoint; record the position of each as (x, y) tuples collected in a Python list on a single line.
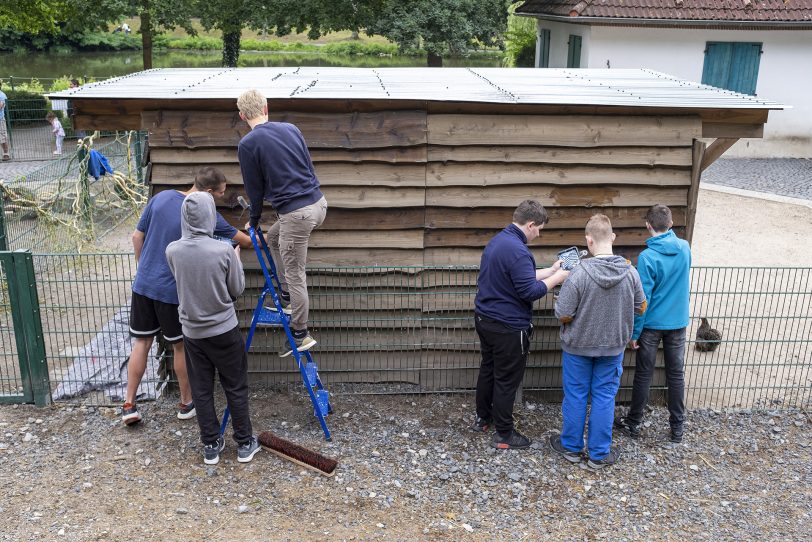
[(154, 306), (507, 285), (3, 131), (664, 269)]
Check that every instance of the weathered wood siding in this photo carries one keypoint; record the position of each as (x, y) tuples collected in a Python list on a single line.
[(413, 188)]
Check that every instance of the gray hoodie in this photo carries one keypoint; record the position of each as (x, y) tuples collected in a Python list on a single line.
[(208, 272), (597, 305)]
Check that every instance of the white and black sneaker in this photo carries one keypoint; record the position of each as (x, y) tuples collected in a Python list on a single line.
[(186, 412), (211, 452), (611, 459), (247, 451), (569, 455)]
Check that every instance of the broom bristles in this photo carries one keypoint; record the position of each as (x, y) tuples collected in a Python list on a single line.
[(298, 454)]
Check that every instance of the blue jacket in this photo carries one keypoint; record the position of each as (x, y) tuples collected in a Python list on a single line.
[(664, 269), (507, 285), (276, 166), (97, 165)]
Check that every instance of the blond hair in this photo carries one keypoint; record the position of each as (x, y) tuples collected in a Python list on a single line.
[(251, 104), (599, 228)]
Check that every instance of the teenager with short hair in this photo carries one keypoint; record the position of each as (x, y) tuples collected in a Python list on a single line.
[(596, 308)]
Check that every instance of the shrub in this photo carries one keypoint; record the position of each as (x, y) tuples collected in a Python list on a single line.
[(520, 41)]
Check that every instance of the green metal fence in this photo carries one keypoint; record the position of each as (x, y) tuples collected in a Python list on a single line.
[(58, 206), (30, 135), (409, 330)]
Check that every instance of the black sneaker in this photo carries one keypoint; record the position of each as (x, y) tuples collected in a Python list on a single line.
[(676, 435), (186, 412), (515, 441), (481, 425), (211, 452), (130, 414), (555, 444), (611, 459), (631, 430), (247, 451)]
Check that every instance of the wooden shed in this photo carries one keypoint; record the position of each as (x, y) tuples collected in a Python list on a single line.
[(421, 166)]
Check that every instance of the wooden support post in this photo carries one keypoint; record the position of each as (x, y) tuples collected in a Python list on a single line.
[(693, 192), (715, 150)]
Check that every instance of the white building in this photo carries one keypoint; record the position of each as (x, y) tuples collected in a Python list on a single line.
[(749, 46)]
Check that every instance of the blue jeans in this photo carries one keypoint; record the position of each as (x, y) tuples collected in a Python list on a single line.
[(600, 377)]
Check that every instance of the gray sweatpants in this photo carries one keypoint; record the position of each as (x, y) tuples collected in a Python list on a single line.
[(288, 239)]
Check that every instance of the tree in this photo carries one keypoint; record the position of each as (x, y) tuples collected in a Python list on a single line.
[(33, 16), (230, 16), (442, 27), (155, 16)]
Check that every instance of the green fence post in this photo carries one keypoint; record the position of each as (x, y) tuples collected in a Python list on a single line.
[(28, 305), (3, 236)]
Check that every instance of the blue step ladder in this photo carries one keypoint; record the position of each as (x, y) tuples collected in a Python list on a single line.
[(266, 316)]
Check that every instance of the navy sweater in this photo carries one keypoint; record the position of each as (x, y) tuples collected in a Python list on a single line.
[(507, 285), (276, 166)]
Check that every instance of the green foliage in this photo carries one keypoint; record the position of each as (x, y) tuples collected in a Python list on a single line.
[(520, 41), (360, 48), (25, 107), (98, 41), (31, 16)]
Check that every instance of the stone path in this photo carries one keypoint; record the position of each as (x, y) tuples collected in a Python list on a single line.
[(790, 177)]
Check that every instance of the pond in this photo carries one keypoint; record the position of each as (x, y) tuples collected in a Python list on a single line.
[(108, 64)]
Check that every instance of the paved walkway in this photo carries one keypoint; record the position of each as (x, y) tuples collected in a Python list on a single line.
[(791, 177), (11, 170)]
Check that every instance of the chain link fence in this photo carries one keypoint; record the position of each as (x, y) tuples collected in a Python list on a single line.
[(410, 330)]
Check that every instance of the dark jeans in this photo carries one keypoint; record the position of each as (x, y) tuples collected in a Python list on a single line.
[(674, 351), (226, 354), (504, 356)]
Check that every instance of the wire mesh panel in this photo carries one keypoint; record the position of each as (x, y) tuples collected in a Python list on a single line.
[(763, 358), (84, 306), (11, 384), (59, 207)]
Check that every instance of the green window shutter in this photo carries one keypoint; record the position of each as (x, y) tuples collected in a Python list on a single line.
[(732, 65), (574, 52), (544, 48)]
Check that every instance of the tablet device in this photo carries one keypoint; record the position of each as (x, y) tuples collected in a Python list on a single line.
[(570, 257)]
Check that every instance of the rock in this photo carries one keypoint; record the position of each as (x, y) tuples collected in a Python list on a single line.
[(345, 415), (28, 437), (694, 468), (181, 511), (423, 453), (514, 476), (467, 527), (380, 525), (242, 509), (87, 485), (211, 471)]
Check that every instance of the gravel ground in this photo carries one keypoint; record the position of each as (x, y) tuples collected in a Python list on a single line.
[(409, 470)]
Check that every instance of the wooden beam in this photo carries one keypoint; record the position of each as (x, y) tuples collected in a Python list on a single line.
[(346, 219), (106, 122), (560, 217), (228, 155), (328, 173), (554, 196), (563, 130), (493, 174), (191, 129), (616, 156), (480, 238), (729, 130), (693, 193), (715, 150), (368, 238)]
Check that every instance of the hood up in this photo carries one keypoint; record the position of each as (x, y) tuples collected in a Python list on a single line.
[(198, 215), (606, 272)]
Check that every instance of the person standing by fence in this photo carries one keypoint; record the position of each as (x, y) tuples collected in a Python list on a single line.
[(57, 130), (665, 271), (3, 131), (507, 285)]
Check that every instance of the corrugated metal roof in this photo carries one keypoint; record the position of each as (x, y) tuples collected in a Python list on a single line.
[(756, 11), (596, 87)]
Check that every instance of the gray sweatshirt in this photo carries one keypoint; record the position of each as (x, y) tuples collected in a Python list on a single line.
[(208, 272), (597, 305)]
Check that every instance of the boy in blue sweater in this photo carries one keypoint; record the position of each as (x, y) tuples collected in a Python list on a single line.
[(276, 166), (508, 284), (664, 269)]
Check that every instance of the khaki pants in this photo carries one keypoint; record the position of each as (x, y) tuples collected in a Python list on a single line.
[(288, 239)]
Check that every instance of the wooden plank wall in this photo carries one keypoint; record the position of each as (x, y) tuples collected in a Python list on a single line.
[(407, 188)]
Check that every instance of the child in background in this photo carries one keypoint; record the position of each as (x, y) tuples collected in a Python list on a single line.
[(57, 130), (596, 308)]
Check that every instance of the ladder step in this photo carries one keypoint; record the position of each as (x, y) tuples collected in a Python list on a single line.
[(269, 317)]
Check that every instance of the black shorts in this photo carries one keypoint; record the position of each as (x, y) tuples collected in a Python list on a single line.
[(148, 317)]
